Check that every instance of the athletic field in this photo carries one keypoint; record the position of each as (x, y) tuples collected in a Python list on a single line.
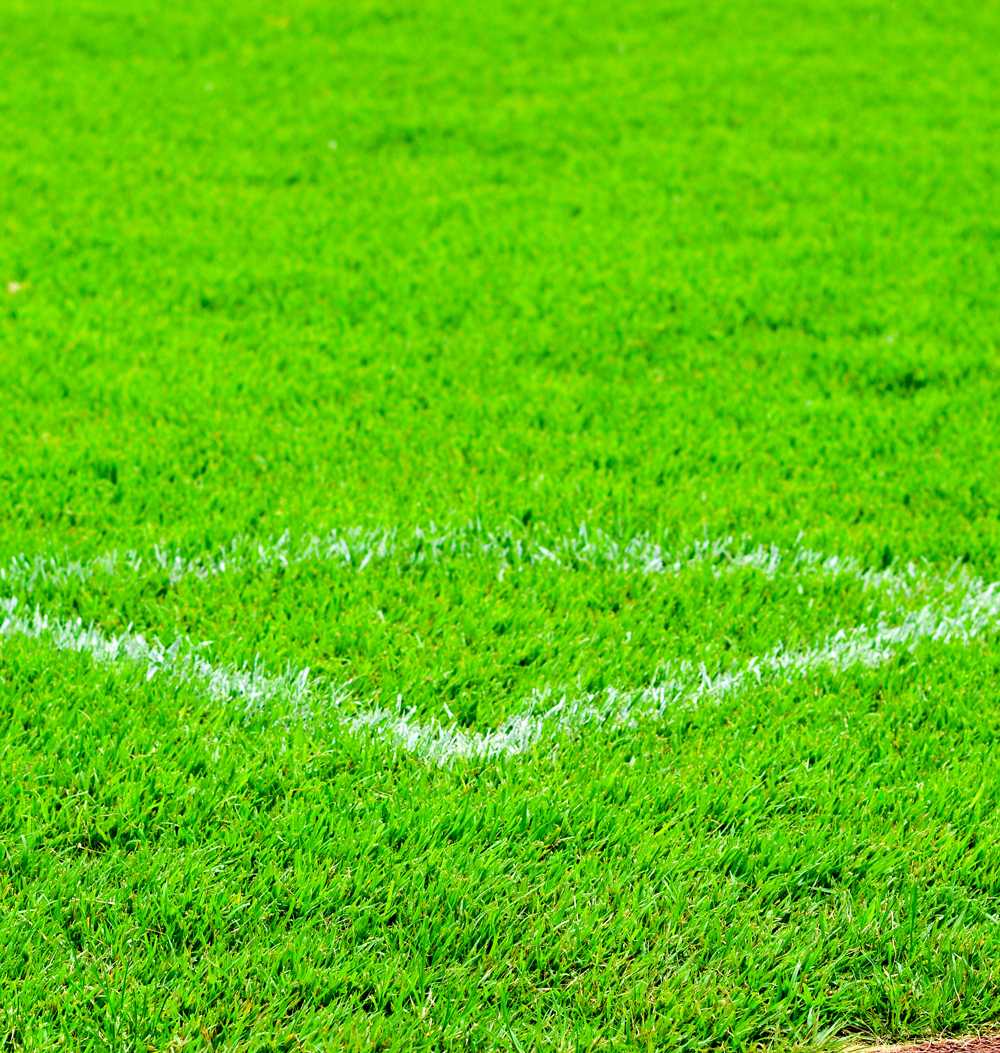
[(499, 524)]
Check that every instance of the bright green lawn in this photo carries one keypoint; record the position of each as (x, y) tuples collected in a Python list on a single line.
[(684, 271)]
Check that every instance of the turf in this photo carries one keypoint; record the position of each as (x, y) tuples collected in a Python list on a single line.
[(529, 293)]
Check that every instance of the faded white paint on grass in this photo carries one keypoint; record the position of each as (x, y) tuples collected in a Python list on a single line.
[(966, 608), (548, 715), (357, 548)]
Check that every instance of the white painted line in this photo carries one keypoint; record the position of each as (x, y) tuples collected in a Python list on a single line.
[(975, 610), (358, 548), (547, 717), (183, 660)]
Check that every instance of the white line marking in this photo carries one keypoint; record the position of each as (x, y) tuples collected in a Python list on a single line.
[(182, 660), (976, 611), (357, 548)]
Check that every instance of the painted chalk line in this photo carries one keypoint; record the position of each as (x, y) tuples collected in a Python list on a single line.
[(545, 715), (358, 548)]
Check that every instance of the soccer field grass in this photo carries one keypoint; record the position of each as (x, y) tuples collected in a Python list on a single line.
[(499, 522)]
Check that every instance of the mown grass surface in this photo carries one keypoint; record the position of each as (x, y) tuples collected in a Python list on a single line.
[(660, 269), (804, 861)]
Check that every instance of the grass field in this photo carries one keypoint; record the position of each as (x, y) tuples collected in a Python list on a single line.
[(498, 513)]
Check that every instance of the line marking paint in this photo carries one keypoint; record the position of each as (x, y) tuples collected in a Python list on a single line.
[(972, 608), (356, 548)]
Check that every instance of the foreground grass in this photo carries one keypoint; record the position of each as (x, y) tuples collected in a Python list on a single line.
[(805, 862), (680, 271)]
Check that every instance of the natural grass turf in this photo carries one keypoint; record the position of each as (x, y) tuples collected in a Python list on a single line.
[(665, 269), (805, 860), (632, 261)]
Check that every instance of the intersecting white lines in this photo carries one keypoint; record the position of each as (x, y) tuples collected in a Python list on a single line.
[(965, 607)]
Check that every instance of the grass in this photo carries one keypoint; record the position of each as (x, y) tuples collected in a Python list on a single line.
[(668, 272)]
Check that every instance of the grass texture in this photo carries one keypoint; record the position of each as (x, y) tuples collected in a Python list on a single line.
[(498, 508)]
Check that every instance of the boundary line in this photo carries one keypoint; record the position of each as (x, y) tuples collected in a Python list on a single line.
[(356, 548), (546, 714)]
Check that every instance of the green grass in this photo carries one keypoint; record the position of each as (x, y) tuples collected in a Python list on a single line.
[(665, 270)]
